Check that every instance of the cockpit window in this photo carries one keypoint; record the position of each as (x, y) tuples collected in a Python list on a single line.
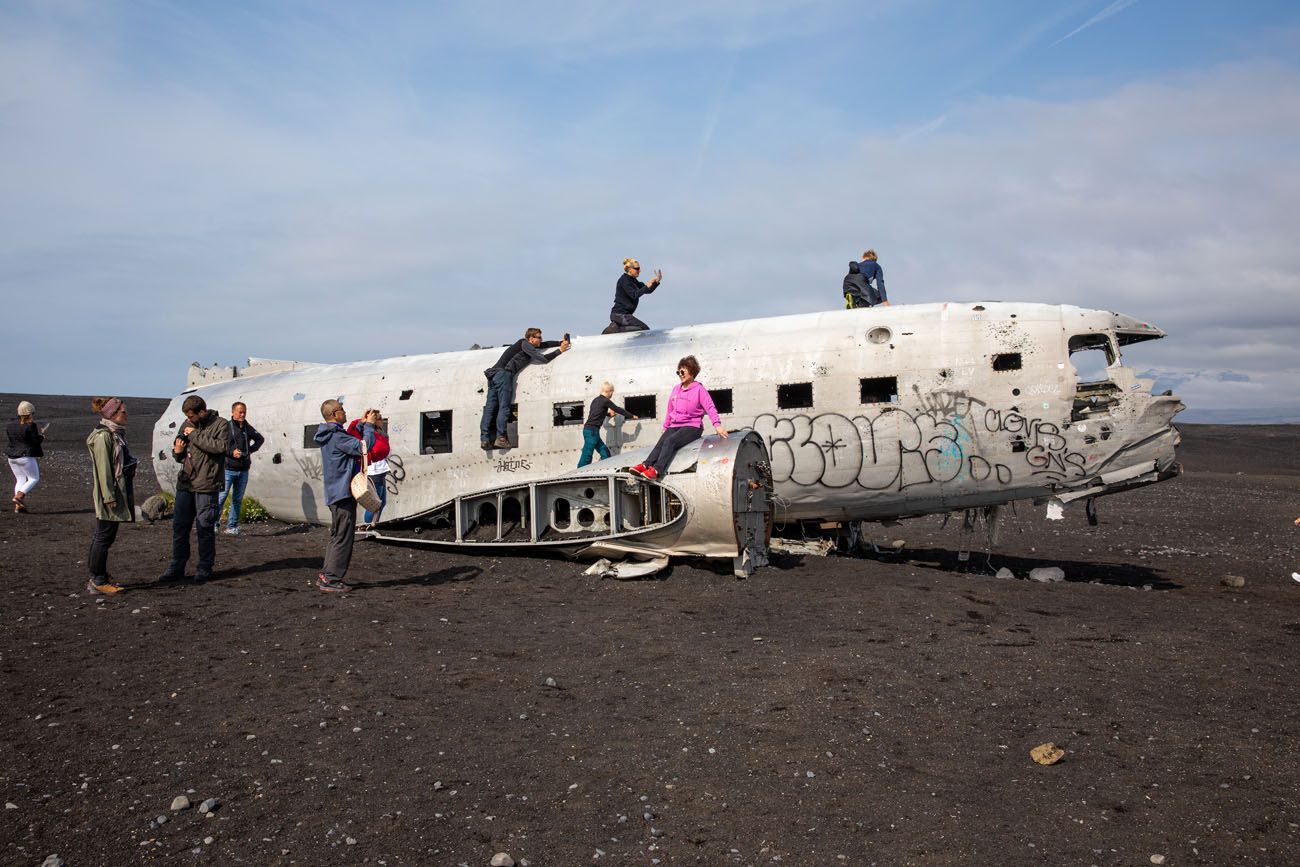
[(1091, 354)]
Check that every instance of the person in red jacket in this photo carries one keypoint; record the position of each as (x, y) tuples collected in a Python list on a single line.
[(376, 439)]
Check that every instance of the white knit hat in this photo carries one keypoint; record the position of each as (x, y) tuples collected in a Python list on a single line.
[(26, 408)]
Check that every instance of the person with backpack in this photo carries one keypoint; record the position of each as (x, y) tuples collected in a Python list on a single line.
[(244, 440), (370, 429)]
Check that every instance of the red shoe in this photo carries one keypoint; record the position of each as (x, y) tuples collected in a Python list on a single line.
[(650, 473), (639, 469)]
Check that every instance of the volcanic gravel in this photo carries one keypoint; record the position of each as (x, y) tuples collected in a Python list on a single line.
[(828, 710)]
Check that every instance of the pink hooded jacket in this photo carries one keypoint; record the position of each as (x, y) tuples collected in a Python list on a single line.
[(687, 406)]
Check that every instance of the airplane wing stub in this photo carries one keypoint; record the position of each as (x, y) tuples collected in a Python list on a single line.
[(713, 502)]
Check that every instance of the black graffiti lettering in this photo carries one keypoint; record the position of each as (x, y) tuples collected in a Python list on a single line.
[(889, 450)]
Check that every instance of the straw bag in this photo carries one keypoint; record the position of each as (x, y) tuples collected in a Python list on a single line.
[(363, 489)]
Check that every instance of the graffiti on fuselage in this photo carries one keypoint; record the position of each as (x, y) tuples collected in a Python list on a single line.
[(895, 449)]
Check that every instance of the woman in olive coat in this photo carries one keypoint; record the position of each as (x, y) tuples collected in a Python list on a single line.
[(114, 488)]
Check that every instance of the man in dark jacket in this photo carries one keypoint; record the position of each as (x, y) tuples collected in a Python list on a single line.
[(501, 382), (200, 449), (339, 451), (244, 440), (874, 275)]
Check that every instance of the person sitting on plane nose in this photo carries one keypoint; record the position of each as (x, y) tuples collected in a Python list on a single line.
[(501, 382), (684, 420), (874, 276), (627, 293)]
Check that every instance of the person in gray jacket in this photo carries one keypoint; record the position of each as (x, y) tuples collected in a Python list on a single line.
[(200, 449), (339, 454)]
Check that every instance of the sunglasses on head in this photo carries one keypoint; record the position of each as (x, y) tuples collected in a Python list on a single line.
[(683, 372)]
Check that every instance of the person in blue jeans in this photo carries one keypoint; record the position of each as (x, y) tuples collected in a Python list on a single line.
[(244, 440), (501, 383), (601, 408)]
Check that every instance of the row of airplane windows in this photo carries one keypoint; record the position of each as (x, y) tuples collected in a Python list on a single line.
[(435, 425)]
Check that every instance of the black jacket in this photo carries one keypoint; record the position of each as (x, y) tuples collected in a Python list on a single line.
[(24, 440), (245, 438), (520, 354), (628, 293), (600, 408), (859, 288)]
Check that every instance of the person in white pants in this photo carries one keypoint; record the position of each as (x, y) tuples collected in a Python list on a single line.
[(25, 438)]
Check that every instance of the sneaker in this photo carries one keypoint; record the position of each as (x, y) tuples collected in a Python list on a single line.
[(650, 473), (171, 575), (105, 589), (329, 585), (231, 531), (502, 443), (637, 470)]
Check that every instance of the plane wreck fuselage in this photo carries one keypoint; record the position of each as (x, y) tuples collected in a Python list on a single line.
[(866, 414)]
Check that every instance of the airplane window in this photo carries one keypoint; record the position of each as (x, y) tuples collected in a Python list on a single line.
[(879, 389), (568, 413), (721, 399), (794, 395), (435, 432), (1006, 361), (641, 404), (406, 393), (309, 437), (1090, 355)]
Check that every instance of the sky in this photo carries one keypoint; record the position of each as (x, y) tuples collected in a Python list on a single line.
[(338, 181)]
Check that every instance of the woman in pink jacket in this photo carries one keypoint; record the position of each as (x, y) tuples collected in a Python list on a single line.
[(684, 420)]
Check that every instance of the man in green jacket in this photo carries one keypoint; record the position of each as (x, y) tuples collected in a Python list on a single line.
[(200, 449)]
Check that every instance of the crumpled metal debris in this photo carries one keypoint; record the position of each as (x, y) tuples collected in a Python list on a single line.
[(628, 569)]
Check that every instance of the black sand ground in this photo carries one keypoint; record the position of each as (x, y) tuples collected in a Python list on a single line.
[(826, 711)]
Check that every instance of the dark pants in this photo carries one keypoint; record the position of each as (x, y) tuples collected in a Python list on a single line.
[(591, 443), (620, 322), (194, 510), (501, 393), (343, 524), (105, 536), (669, 444)]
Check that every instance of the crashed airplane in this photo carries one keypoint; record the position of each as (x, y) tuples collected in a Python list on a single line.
[(844, 416)]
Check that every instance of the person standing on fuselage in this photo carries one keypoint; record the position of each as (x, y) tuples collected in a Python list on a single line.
[(244, 440), (601, 408), (501, 383), (627, 294)]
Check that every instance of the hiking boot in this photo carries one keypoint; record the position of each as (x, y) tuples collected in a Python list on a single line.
[(485, 445), (231, 531), (171, 575), (502, 443), (105, 589), (331, 585)]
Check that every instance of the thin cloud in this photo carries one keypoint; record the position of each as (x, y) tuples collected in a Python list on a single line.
[(1109, 12)]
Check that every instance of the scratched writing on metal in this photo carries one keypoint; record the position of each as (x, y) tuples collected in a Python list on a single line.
[(511, 465)]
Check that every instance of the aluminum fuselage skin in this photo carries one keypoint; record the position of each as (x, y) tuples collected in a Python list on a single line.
[(964, 427)]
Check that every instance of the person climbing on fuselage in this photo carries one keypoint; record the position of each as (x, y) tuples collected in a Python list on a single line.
[(874, 276), (501, 383), (602, 407)]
